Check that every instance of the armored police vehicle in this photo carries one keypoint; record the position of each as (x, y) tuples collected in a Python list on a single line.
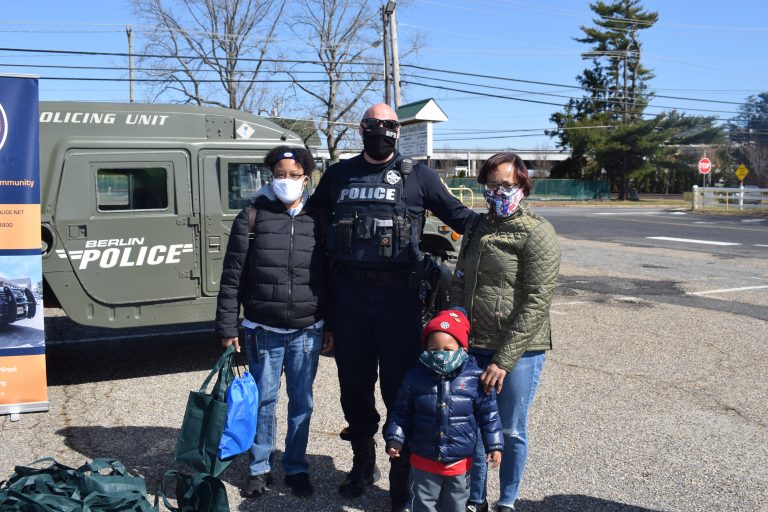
[(137, 203)]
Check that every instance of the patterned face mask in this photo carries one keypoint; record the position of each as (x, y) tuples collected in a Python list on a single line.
[(443, 362), (503, 202)]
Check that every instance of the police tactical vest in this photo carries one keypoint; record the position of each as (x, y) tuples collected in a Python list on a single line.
[(371, 223)]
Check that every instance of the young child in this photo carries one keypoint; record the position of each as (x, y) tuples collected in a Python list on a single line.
[(438, 410)]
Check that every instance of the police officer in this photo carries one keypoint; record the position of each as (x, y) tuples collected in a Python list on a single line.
[(375, 204)]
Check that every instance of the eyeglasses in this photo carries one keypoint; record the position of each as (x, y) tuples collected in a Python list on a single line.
[(371, 122), (500, 187), (294, 177)]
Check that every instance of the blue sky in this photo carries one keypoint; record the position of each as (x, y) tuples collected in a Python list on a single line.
[(703, 50), (18, 267)]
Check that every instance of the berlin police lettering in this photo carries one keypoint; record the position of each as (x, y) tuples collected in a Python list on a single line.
[(3, 126), (125, 252), (368, 193)]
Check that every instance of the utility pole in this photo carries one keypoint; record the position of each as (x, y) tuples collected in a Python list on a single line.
[(623, 187), (385, 40), (129, 31), (390, 8)]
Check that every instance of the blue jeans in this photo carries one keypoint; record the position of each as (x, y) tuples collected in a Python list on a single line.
[(515, 399), (269, 355)]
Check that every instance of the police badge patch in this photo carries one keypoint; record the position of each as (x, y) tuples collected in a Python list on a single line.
[(392, 176)]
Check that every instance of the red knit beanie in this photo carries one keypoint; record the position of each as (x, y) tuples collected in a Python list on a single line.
[(451, 321)]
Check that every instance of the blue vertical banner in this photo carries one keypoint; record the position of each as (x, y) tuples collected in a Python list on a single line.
[(23, 385)]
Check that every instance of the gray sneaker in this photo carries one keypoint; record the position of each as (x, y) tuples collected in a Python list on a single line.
[(256, 485)]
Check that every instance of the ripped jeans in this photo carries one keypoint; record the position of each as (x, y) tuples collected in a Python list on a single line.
[(514, 401)]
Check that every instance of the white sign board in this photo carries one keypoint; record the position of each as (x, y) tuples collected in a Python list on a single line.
[(416, 140)]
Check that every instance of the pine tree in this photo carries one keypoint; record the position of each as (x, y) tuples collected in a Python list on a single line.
[(607, 130)]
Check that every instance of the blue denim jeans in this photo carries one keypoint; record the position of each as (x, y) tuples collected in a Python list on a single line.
[(269, 355), (515, 399)]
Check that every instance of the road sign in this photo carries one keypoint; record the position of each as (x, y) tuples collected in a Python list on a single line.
[(705, 165), (741, 172)]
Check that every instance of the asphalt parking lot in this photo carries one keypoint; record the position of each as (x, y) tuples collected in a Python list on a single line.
[(654, 398)]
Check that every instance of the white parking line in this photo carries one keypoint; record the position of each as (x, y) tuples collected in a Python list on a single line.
[(628, 213), (690, 240), (761, 245), (728, 290), (570, 303)]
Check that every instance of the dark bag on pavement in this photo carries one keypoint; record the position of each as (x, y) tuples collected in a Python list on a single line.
[(198, 493), (204, 421), (90, 478), (59, 488)]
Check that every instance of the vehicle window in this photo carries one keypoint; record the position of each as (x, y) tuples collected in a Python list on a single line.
[(132, 189), (245, 179)]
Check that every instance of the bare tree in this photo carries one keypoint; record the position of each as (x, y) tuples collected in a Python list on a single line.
[(213, 51), (340, 35), (540, 160), (756, 154)]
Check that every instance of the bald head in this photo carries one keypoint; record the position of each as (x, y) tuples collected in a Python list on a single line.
[(380, 111)]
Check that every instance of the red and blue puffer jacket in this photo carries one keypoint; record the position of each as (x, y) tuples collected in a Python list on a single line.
[(439, 416)]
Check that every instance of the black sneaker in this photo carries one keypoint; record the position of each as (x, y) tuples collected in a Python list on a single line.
[(256, 485), (299, 484), (504, 508), (477, 507)]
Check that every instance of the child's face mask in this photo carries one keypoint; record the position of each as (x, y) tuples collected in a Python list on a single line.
[(443, 362)]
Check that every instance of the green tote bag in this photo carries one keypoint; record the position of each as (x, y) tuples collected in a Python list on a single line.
[(194, 493), (204, 420)]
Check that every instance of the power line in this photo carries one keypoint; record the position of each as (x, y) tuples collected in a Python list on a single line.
[(514, 98), (204, 81), (185, 57), (371, 63), (552, 84), (166, 70)]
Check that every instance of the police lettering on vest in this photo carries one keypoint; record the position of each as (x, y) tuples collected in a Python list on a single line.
[(368, 193)]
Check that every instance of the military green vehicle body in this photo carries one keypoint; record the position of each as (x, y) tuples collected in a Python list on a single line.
[(137, 203)]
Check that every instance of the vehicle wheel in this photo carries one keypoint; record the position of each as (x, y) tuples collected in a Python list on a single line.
[(10, 313), (31, 303)]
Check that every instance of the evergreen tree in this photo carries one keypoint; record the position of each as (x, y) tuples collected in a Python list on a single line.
[(607, 129)]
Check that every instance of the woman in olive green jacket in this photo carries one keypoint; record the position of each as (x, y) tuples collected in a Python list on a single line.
[(505, 278)]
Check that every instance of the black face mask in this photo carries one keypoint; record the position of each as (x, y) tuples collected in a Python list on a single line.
[(379, 143)]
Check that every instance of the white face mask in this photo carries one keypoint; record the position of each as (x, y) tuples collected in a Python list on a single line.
[(288, 190)]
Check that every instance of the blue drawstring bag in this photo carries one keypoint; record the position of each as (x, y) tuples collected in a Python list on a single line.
[(243, 408)]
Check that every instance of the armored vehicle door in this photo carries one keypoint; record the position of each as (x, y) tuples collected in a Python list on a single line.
[(126, 221), (228, 183)]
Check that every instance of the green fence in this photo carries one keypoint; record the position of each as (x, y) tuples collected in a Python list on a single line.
[(546, 189)]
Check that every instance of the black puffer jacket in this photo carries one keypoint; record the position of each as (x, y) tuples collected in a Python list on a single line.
[(439, 416), (283, 281)]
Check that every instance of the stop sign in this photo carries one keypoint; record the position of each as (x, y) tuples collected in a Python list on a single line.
[(705, 166)]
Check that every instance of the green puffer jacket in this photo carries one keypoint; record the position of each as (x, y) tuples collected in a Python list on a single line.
[(505, 278)]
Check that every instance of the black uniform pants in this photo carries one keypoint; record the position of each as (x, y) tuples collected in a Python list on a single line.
[(377, 331)]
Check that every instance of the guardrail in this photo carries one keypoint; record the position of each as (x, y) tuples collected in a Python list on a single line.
[(460, 191), (729, 199)]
